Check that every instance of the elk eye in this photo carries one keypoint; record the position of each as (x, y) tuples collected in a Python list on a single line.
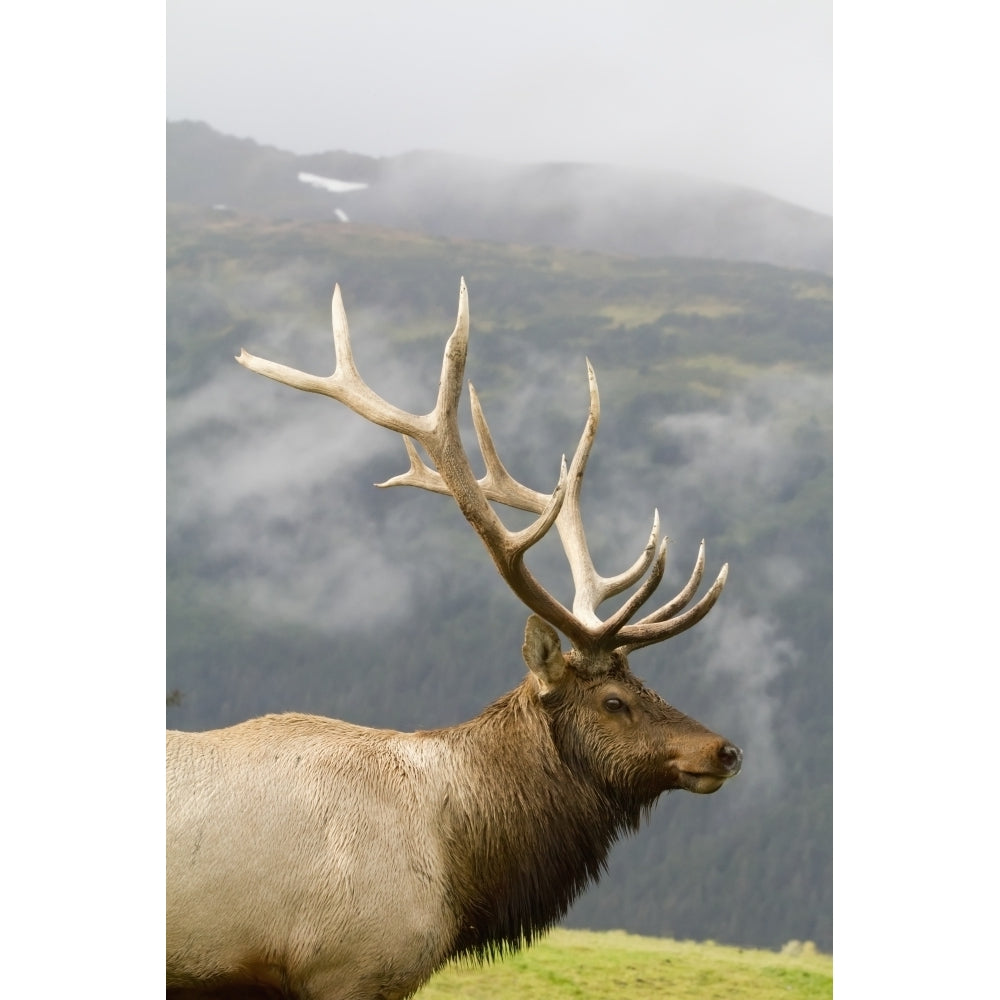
[(614, 704)]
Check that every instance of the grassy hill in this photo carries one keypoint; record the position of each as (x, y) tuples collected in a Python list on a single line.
[(607, 966)]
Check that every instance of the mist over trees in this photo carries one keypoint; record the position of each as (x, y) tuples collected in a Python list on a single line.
[(292, 583)]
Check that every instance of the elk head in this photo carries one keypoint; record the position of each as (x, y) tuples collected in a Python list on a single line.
[(595, 669)]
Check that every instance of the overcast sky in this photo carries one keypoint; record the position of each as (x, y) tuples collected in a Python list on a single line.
[(735, 90)]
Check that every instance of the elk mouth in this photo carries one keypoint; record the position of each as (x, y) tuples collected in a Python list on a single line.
[(701, 783)]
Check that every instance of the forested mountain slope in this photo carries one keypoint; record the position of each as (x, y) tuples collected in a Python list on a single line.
[(294, 584)]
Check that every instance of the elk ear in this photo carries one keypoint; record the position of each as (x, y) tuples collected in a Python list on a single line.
[(542, 653)]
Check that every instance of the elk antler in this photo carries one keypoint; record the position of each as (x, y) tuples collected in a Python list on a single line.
[(437, 432)]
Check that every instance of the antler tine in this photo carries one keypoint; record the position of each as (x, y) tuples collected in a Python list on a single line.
[(646, 632), (418, 474), (591, 588), (523, 540), (686, 593), (346, 384), (615, 623), (342, 350), (499, 484), (453, 363), (616, 584)]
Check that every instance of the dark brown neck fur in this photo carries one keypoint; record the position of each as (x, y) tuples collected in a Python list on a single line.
[(532, 830)]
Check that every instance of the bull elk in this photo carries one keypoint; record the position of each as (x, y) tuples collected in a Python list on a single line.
[(312, 858)]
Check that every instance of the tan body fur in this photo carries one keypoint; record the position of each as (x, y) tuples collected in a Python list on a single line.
[(288, 869)]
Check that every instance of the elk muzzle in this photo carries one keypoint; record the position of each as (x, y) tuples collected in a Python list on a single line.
[(705, 770)]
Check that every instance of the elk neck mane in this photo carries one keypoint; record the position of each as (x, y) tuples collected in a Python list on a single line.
[(526, 833)]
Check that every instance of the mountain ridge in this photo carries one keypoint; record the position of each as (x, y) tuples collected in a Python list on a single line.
[(588, 207)]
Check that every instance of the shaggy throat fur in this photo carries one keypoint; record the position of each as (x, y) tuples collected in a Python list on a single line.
[(532, 844)]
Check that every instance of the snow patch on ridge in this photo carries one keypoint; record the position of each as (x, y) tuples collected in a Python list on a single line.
[(331, 184)]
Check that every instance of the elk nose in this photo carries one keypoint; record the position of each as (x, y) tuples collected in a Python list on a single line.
[(731, 758)]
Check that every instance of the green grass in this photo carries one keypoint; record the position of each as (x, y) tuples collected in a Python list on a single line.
[(607, 966)]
